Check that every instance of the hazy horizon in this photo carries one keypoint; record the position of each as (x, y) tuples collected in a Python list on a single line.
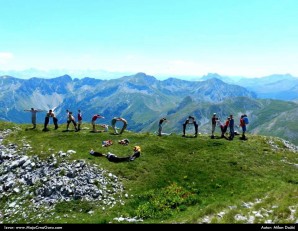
[(106, 75)]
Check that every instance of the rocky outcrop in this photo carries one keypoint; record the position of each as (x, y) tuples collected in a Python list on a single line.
[(44, 183)]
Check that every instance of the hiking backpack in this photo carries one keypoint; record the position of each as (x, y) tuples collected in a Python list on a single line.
[(246, 121)]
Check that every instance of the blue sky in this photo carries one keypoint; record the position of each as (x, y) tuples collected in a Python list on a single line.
[(250, 38)]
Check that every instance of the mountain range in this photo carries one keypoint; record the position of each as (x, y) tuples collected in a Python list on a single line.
[(270, 102), (284, 87)]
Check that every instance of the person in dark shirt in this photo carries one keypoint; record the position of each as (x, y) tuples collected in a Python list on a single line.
[(160, 125), (190, 120), (80, 119), (47, 120), (243, 126), (231, 126)]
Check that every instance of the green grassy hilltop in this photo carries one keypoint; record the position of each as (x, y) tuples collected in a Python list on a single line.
[(176, 179)]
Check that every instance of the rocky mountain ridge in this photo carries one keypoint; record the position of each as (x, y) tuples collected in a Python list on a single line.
[(142, 100)]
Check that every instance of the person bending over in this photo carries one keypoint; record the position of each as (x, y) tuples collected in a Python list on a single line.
[(190, 120), (113, 122)]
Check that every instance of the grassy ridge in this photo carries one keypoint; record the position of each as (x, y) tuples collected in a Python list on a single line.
[(178, 179)]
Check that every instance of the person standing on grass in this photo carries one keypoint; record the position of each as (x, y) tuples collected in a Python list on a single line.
[(224, 127), (213, 122), (55, 120), (80, 119), (33, 116), (231, 126), (67, 118), (243, 126)]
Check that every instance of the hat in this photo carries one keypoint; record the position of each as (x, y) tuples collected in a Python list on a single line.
[(137, 148), (214, 113)]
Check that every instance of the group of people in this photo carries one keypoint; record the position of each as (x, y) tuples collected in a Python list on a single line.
[(215, 121), (190, 120), (114, 158), (77, 125), (70, 118), (113, 123), (50, 114), (229, 123)]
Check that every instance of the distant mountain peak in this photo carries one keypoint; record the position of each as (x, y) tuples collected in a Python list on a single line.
[(212, 76), (140, 78), (140, 74), (64, 78), (144, 76)]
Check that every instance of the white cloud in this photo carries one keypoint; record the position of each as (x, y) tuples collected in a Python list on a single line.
[(5, 57)]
